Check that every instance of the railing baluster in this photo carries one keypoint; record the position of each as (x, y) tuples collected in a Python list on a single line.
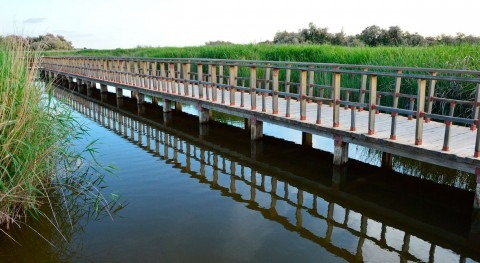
[(319, 112), (213, 80), (448, 126), (353, 119), (363, 89), (371, 105), (302, 91), (287, 113), (267, 77), (431, 94), (336, 99), (420, 111), (171, 78), (275, 91), (311, 76), (186, 78), (287, 78), (200, 80), (233, 83), (253, 87)]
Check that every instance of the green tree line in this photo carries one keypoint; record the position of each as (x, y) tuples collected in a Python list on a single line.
[(370, 36), (43, 42)]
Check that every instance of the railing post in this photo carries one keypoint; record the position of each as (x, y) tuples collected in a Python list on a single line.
[(431, 94), (253, 87), (213, 80), (200, 80), (233, 83), (275, 91), (420, 114), (475, 109), (135, 72), (363, 89), (371, 105), (336, 99), (302, 91)]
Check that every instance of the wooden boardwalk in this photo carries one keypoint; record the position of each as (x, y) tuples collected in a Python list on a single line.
[(309, 97)]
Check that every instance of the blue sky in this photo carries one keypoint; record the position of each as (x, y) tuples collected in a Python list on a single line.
[(123, 24)]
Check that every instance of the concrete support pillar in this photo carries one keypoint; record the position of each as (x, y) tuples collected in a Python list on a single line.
[(119, 93), (167, 105), (248, 124), (204, 115), (103, 92), (256, 129), (307, 139), (155, 101), (475, 226), (387, 162), (70, 83), (340, 151), (167, 117), (90, 88), (178, 106), (77, 86), (204, 130), (141, 103)]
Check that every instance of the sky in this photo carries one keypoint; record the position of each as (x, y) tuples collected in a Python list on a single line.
[(109, 24)]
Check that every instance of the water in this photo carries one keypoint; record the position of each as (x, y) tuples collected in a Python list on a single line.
[(215, 197)]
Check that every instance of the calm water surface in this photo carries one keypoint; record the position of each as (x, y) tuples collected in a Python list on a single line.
[(208, 195)]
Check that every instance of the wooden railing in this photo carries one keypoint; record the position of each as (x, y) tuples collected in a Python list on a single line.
[(450, 96)]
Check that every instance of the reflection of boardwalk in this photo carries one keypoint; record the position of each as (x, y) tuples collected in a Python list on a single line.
[(296, 205)]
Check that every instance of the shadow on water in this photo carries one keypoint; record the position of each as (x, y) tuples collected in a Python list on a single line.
[(272, 174)]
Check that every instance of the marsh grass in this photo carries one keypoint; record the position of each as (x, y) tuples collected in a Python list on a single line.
[(39, 163)]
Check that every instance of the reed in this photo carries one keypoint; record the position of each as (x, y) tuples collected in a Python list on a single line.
[(38, 158)]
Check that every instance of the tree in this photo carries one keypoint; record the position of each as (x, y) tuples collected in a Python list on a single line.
[(394, 36), (315, 35), (285, 37), (373, 35)]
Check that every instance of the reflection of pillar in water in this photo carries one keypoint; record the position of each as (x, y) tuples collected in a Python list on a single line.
[(165, 144), (274, 185), (132, 129), (256, 149), (233, 168), (431, 253), (187, 155), (215, 169), (202, 162), (157, 142), (233, 188), (175, 149), (339, 175), (405, 247), (361, 240), (253, 179), (148, 137), (328, 235), (298, 213)]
